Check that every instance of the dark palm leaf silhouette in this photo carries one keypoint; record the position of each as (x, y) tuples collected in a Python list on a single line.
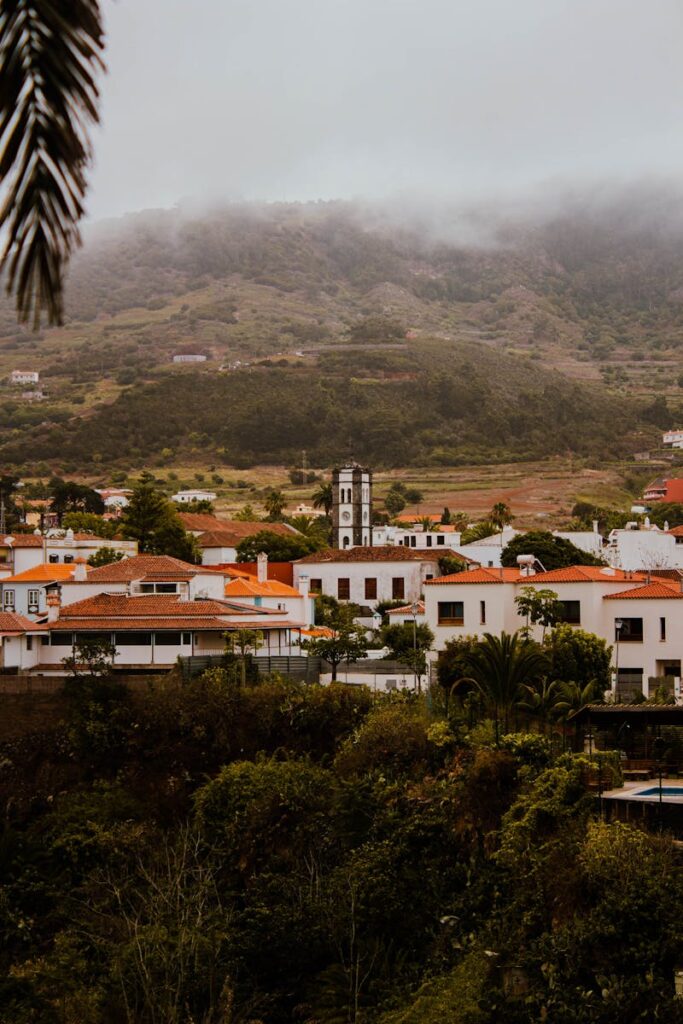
[(49, 58)]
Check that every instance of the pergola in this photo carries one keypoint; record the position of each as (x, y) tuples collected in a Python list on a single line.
[(636, 727)]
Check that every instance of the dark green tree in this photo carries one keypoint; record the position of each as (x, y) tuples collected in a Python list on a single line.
[(152, 520), (500, 667), (552, 552), (278, 547), (347, 642)]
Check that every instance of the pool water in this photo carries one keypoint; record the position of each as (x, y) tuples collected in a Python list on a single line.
[(666, 791)]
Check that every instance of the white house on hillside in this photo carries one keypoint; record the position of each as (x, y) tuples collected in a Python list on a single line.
[(636, 613), (185, 497), (368, 575)]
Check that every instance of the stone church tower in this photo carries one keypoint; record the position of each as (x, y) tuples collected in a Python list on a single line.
[(352, 508)]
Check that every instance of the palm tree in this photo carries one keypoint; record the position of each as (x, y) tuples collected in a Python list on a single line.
[(501, 514), (49, 59), (500, 666), (275, 505), (324, 498), (573, 697), (541, 699)]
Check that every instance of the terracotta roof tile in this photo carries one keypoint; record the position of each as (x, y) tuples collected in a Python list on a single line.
[(139, 566), (252, 588), (46, 572), (11, 623), (649, 591), (22, 540), (408, 610), (506, 575)]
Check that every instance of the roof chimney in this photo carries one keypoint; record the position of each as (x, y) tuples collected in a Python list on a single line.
[(80, 572), (54, 602), (303, 585), (596, 526), (262, 567)]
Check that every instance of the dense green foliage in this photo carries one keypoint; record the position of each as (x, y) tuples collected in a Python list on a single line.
[(552, 552), (153, 521), (220, 853)]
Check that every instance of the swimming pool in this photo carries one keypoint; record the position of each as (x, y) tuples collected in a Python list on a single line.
[(666, 791)]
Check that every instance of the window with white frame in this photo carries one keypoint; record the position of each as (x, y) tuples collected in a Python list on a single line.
[(8, 598)]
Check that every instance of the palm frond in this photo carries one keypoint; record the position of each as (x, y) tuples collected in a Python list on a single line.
[(49, 58)]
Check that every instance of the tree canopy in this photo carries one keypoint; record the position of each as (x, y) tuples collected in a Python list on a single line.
[(552, 552)]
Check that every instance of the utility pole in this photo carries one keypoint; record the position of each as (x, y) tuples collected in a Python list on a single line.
[(3, 524)]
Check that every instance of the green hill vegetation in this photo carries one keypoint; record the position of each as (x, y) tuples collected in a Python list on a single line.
[(367, 326), (270, 853)]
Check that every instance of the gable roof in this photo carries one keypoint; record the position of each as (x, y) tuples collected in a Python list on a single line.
[(252, 588), (655, 590), (46, 572), (201, 522), (143, 566), (589, 574), (381, 553), (22, 540), (12, 624), (231, 532), (408, 610), (121, 605), (504, 575)]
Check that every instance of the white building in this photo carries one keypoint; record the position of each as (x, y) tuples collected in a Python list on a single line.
[(189, 357), (368, 575), (445, 537), (184, 497), (25, 592), (672, 439), (352, 506), (645, 546), (640, 616), (488, 551), (115, 497), (24, 377)]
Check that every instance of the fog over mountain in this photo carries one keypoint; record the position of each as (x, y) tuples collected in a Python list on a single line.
[(446, 99)]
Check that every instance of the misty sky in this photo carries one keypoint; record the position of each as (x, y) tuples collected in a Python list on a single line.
[(306, 99)]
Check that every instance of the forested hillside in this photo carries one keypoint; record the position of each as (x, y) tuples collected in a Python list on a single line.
[(278, 853), (435, 331)]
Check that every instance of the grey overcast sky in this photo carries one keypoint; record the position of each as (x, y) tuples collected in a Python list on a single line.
[(307, 99)]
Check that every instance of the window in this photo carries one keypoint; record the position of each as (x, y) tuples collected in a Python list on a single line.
[(61, 639), (68, 559), (371, 589), (398, 588), (8, 598), (343, 588), (413, 541), (429, 540), (571, 612), (451, 613), (187, 639), (482, 612), (166, 588), (133, 639), (29, 643), (316, 586), (440, 539), (631, 631), (45, 641), (33, 600), (53, 559), (662, 629), (167, 639)]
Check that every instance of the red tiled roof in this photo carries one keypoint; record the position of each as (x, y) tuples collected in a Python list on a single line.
[(383, 553), (46, 572), (150, 566), (506, 575), (252, 588), (201, 522), (12, 624), (142, 622), (677, 531), (407, 609), (649, 591), (282, 571), (589, 574), (22, 540), (232, 533), (147, 604)]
